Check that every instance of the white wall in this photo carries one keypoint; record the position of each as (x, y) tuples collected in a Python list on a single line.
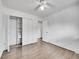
[(63, 28), (2, 38), (30, 31)]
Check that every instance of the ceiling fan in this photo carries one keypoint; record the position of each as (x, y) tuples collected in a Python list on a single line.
[(42, 4)]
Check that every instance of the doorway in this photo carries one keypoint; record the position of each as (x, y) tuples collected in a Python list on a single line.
[(15, 31), (19, 31)]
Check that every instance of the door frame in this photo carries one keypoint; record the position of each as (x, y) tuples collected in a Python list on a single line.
[(7, 29)]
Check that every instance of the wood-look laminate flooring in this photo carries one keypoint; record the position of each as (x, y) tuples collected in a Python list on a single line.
[(40, 50)]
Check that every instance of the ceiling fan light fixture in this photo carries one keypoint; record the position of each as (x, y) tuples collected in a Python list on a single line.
[(42, 8)]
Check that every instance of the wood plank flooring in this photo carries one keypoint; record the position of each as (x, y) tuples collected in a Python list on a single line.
[(40, 50)]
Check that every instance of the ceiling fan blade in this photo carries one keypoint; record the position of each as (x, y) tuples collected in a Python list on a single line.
[(38, 2), (37, 7), (50, 5)]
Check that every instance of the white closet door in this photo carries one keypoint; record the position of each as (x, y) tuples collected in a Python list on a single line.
[(12, 32)]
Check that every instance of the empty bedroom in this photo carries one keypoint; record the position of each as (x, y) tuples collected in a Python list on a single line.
[(39, 29)]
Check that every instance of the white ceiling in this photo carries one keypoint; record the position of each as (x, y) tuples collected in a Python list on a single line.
[(28, 6)]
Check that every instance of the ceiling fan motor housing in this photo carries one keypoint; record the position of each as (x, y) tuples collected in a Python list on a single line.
[(41, 0)]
